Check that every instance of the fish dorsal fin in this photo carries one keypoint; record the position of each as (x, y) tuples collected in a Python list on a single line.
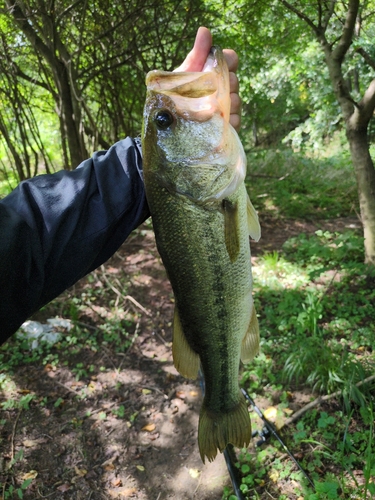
[(252, 221), (232, 240), (250, 343), (185, 359)]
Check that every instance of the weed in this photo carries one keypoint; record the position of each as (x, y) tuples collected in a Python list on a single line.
[(283, 183), (9, 490)]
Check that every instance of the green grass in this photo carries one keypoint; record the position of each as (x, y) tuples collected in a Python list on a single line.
[(283, 183), (315, 301), (317, 335)]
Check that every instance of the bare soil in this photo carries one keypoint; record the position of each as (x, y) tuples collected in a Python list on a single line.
[(128, 429)]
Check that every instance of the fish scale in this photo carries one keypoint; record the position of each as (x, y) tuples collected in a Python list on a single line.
[(202, 218)]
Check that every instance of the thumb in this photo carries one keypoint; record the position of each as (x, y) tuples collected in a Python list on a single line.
[(196, 58)]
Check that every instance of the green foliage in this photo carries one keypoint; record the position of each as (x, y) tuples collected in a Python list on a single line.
[(326, 250), (9, 490), (283, 183), (314, 298)]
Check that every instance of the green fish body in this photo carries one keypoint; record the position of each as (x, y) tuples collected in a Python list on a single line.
[(194, 169)]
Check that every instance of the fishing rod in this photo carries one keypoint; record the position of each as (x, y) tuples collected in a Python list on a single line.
[(264, 434), (270, 429), (230, 459)]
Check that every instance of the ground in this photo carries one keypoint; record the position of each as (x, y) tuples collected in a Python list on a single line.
[(127, 426)]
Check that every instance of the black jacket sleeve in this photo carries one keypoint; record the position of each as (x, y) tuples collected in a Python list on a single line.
[(54, 229)]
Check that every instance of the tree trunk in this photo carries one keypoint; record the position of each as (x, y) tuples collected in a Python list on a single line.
[(365, 174), (69, 119), (16, 157), (49, 50)]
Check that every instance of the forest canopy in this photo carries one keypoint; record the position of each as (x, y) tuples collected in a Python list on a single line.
[(72, 77)]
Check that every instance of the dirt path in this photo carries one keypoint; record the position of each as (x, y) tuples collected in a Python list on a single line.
[(129, 428)]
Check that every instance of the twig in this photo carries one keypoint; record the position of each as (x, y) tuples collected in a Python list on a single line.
[(13, 434), (67, 388), (198, 485), (328, 286), (11, 449), (129, 297), (86, 325), (167, 344), (320, 400), (152, 389), (41, 496), (111, 405), (125, 297)]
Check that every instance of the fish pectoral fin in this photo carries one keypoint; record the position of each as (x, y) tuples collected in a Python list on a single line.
[(217, 430), (250, 343), (232, 240), (185, 359), (252, 221)]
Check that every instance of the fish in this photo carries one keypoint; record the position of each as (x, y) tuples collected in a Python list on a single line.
[(194, 167)]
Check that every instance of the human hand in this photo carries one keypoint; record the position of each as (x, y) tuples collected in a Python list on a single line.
[(196, 59)]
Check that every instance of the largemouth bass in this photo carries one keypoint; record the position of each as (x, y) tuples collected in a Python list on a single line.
[(194, 170)]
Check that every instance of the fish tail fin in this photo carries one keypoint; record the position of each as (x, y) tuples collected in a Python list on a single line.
[(217, 430)]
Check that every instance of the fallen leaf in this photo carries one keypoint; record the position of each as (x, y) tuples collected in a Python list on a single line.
[(80, 472), (194, 473), (149, 428), (288, 411), (109, 467), (270, 413), (32, 474), (23, 391), (63, 487), (29, 443), (274, 476), (116, 482), (112, 270), (140, 467), (146, 391), (49, 368)]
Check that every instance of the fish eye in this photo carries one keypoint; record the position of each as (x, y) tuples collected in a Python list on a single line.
[(163, 119)]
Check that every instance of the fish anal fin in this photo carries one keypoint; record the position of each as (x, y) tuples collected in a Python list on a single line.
[(250, 343), (232, 240), (185, 359), (252, 221), (217, 430)]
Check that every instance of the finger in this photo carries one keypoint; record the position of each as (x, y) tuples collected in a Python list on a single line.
[(235, 121), (231, 58), (233, 83), (235, 104), (196, 58)]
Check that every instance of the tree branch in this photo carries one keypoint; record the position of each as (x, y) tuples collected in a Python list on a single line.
[(346, 39), (21, 20), (320, 400), (24, 76), (328, 15), (367, 103), (301, 15), (366, 56)]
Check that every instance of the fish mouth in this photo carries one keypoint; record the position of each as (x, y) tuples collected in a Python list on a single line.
[(196, 95)]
